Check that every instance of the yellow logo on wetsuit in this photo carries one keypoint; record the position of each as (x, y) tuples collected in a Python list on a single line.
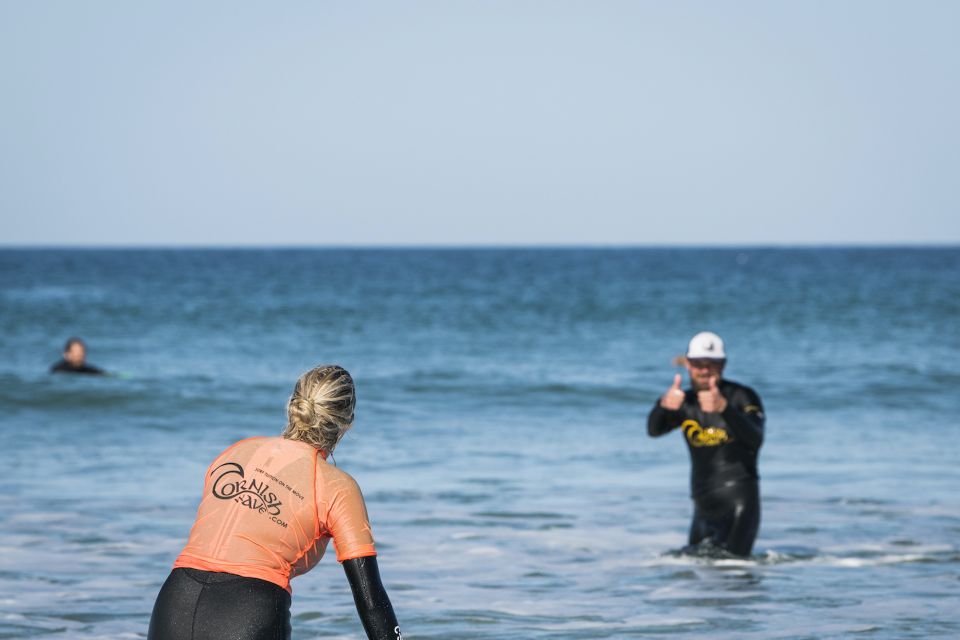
[(697, 436)]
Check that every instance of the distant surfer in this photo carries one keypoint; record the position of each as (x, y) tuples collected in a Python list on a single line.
[(270, 505), (75, 360), (722, 423)]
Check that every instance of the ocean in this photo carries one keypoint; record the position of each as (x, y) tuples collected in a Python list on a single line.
[(500, 438)]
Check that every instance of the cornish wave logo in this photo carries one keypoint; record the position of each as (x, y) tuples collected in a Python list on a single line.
[(231, 484), (697, 436)]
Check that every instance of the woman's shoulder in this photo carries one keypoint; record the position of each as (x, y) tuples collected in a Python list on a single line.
[(245, 443), (332, 476), (330, 471)]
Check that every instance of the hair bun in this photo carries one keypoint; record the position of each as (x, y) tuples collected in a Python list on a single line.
[(303, 410), (320, 410)]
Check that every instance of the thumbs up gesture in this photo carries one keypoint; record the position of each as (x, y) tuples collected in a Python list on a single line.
[(710, 399), (673, 398)]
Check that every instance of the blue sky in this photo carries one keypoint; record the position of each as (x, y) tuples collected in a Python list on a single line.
[(479, 123)]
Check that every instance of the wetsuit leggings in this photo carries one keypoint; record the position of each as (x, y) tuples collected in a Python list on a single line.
[(204, 605), (728, 517)]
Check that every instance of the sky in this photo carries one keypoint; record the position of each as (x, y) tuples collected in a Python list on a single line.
[(479, 123)]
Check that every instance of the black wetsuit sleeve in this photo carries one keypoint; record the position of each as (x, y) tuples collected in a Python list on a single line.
[(661, 421), (744, 416), (60, 367), (65, 367), (373, 604)]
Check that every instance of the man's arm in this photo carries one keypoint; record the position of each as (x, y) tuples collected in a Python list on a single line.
[(373, 604), (744, 416), (666, 414), (661, 420)]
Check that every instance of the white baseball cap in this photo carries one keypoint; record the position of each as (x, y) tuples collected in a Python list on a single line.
[(706, 344)]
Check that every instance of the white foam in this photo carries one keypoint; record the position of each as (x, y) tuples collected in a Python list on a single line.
[(465, 535), (870, 562), (626, 623), (487, 552)]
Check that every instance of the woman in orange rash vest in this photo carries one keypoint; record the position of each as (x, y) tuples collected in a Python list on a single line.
[(270, 505)]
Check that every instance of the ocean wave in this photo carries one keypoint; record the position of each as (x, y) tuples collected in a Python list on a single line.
[(868, 557)]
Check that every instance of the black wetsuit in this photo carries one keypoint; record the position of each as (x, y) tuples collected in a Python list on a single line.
[(65, 367), (208, 605), (723, 456)]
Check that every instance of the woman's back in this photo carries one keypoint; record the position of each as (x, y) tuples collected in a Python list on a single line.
[(269, 508)]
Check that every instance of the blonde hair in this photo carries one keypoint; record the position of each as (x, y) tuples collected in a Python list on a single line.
[(320, 410)]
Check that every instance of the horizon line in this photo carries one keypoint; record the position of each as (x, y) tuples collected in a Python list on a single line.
[(477, 246)]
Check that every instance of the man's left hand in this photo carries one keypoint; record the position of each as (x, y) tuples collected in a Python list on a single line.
[(710, 399)]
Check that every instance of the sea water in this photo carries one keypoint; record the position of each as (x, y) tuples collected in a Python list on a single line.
[(500, 438)]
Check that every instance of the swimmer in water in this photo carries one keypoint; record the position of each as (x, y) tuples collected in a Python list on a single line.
[(75, 359), (270, 505), (722, 423)]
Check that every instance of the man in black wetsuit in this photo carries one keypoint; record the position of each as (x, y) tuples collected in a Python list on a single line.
[(722, 423), (75, 359)]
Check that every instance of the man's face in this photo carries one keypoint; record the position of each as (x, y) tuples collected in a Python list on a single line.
[(702, 369), (76, 354)]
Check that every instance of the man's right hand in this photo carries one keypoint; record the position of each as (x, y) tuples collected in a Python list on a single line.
[(673, 398)]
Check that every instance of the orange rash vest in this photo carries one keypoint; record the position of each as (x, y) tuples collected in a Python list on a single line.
[(269, 508)]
